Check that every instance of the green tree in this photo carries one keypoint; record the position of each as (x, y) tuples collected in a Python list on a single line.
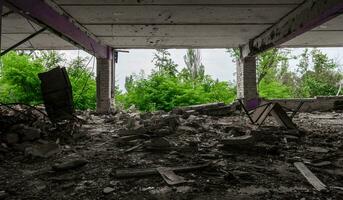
[(162, 90), (164, 63), (83, 83), (18, 79), (274, 79), (51, 59), (194, 67), (320, 77)]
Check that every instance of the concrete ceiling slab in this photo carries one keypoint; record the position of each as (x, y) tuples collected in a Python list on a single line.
[(186, 15), (172, 24), (174, 2)]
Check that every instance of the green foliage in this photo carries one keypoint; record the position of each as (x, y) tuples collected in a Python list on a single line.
[(274, 89), (194, 70), (163, 90), (83, 84), (18, 79), (319, 77)]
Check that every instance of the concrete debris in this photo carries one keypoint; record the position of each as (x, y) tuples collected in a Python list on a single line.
[(43, 150), (170, 177), (312, 179), (108, 190), (129, 173), (3, 194), (188, 153), (71, 164)]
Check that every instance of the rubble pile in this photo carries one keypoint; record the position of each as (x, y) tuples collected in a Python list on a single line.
[(199, 152), (27, 129)]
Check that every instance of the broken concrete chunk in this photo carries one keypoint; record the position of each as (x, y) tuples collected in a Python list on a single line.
[(31, 134), (25, 132), (159, 143), (71, 164), (3, 195), (170, 177), (108, 190), (11, 138), (239, 141), (186, 130), (318, 149), (43, 150), (321, 164)]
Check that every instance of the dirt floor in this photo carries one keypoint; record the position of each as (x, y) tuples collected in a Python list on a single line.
[(227, 158)]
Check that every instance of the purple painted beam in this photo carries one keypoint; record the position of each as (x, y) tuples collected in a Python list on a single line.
[(43, 14), (308, 15)]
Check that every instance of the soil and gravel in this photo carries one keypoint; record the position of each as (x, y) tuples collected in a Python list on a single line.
[(83, 160)]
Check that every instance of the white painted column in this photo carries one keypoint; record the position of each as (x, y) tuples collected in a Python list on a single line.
[(246, 78), (104, 85)]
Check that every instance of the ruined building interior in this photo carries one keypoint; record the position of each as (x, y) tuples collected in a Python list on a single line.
[(250, 149)]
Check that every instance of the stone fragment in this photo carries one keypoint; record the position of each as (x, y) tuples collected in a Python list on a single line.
[(108, 190), (11, 138), (246, 140), (70, 164), (43, 150), (318, 149), (3, 195), (31, 134)]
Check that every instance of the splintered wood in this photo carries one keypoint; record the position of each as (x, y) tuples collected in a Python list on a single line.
[(311, 178)]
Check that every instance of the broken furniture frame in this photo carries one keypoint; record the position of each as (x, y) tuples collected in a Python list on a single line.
[(257, 112)]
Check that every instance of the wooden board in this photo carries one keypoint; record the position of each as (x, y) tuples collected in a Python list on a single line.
[(311, 178)]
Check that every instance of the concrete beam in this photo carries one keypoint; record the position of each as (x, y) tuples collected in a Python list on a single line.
[(307, 16), (63, 25)]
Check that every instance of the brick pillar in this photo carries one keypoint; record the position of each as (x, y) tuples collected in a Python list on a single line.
[(246, 78), (104, 85)]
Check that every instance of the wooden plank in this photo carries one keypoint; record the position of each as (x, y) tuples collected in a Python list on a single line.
[(310, 177), (209, 14), (173, 2)]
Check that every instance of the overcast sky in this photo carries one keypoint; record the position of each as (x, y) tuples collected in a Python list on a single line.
[(217, 62)]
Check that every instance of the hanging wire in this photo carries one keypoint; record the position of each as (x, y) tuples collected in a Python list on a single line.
[(86, 82), (89, 76)]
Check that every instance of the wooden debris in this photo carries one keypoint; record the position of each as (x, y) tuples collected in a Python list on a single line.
[(311, 178), (128, 173)]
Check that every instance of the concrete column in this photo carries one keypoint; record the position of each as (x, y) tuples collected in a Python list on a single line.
[(104, 85), (246, 78)]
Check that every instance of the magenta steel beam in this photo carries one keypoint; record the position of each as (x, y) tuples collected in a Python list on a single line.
[(61, 24), (308, 15)]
